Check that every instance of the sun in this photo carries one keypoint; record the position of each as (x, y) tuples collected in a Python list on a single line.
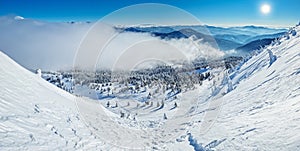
[(265, 8)]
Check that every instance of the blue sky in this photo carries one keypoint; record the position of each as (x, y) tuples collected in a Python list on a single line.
[(213, 12)]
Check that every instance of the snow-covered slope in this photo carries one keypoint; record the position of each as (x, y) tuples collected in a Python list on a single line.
[(262, 112), (256, 108), (35, 115)]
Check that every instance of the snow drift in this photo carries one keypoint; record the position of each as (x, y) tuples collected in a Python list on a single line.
[(262, 110)]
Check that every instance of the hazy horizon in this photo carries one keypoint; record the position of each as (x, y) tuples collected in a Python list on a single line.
[(145, 24)]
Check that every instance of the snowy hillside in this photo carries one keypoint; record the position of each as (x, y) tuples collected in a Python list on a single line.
[(253, 107), (36, 115), (262, 112)]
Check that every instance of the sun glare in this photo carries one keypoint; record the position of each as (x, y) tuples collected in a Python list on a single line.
[(265, 8)]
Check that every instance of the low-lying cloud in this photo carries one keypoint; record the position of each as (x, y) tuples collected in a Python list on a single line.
[(53, 46), (36, 44)]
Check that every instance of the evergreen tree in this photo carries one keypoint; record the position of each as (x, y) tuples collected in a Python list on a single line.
[(165, 116)]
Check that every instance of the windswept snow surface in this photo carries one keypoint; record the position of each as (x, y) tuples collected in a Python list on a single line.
[(35, 115), (255, 107), (262, 112)]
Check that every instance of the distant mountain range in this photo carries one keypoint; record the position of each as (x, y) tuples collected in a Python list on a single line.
[(242, 39), (254, 45)]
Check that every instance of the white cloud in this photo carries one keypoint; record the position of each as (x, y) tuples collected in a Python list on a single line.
[(19, 18), (52, 46), (35, 44)]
